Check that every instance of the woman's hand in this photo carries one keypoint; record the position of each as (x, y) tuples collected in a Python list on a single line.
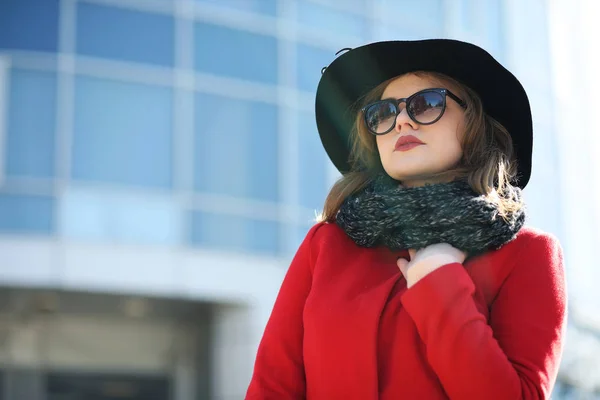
[(427, 260)]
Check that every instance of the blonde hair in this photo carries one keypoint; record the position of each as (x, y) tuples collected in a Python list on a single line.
[(487, 162)]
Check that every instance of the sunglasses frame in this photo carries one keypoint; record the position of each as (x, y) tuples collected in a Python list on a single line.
[(406, 100)]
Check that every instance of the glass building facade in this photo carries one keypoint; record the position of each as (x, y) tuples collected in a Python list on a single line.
[(202, 110), (167, 148), (189, 108)]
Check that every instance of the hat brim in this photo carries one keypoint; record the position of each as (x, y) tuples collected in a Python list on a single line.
[(354, 73)]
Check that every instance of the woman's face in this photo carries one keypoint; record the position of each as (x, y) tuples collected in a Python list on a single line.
[(429, 149)]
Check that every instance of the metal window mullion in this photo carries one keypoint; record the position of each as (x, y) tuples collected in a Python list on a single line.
[(287, 123), (4, 93), (65, 104), (183, 114)]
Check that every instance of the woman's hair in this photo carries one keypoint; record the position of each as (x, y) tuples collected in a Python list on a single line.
[(487, 162)]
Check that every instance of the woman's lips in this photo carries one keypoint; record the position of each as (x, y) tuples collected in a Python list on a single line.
[(407, 142), (408, 146)]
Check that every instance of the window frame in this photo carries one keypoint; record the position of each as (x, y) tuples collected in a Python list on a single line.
[(4, 92)]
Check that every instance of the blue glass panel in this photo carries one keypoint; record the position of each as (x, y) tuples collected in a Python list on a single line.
[(494, 28), (298, 234), (268, 7), (26, 214), (121, 34), (422, 13), (310, 62), (122, 133), (393, 32), (128, 218), (31, 124), (468, 14), (236, 147), (337, 22), (17, 19), (237, 54), (229, 232), (301, 232), (357, 5), (313, 179)]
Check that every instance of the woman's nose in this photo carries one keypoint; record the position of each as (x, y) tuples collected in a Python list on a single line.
[(403, 119)]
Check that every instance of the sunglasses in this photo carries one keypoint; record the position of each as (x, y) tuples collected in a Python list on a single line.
[(424, 107)]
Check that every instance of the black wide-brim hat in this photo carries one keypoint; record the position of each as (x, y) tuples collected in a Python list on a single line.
[(356, 72)]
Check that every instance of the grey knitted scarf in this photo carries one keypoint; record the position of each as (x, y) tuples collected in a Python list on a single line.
[(387, 214)]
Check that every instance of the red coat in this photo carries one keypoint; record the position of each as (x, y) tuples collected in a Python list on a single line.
[(344, 325)]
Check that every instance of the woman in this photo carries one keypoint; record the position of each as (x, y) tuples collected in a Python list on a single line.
[(421, 281)]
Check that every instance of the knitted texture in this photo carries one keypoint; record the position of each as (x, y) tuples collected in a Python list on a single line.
[(386, 214)]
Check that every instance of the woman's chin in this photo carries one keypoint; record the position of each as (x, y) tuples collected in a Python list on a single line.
[(405, 174)]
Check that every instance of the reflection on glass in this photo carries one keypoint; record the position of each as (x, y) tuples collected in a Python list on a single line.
[(268, 7), (310, 62), (235, 233), (236, 148), (30, 141), (121, 218), (235, 53), (26, 214), (17, 14), (337, 22), (104, 31), (426, 20), (122, 133), (313, 164)]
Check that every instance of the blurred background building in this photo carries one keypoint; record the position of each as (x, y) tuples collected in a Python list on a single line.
[(159, 166)]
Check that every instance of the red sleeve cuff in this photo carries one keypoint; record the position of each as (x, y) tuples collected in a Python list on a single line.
[(428, 301)]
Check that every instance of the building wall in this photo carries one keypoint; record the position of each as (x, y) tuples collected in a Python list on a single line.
[(161, 115), (168, 148), (575, 66), (178, 158), (59, 344)]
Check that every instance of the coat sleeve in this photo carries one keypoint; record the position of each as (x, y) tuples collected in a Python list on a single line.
[(514, 356), (279, 367)]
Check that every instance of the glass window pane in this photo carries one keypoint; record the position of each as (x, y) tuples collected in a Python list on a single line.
[(122, 133), (297, 234), (31, 123), (310, 62), (301, 232), (236, 147), (268, 7), (468, 14), (338, 22), (135, 218), (393, 32), (313, 165), (494, 28), (428, 15), (17, 20), (234, 53), (357, 5), (26, 214), (234, 233), (125, 35)]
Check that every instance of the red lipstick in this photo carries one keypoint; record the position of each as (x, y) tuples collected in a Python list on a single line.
[(407, 142)]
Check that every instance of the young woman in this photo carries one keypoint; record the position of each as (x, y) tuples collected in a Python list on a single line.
[(421, 282)]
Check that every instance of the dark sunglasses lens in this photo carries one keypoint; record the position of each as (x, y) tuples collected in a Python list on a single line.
[(426, 107), (380, 117)]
